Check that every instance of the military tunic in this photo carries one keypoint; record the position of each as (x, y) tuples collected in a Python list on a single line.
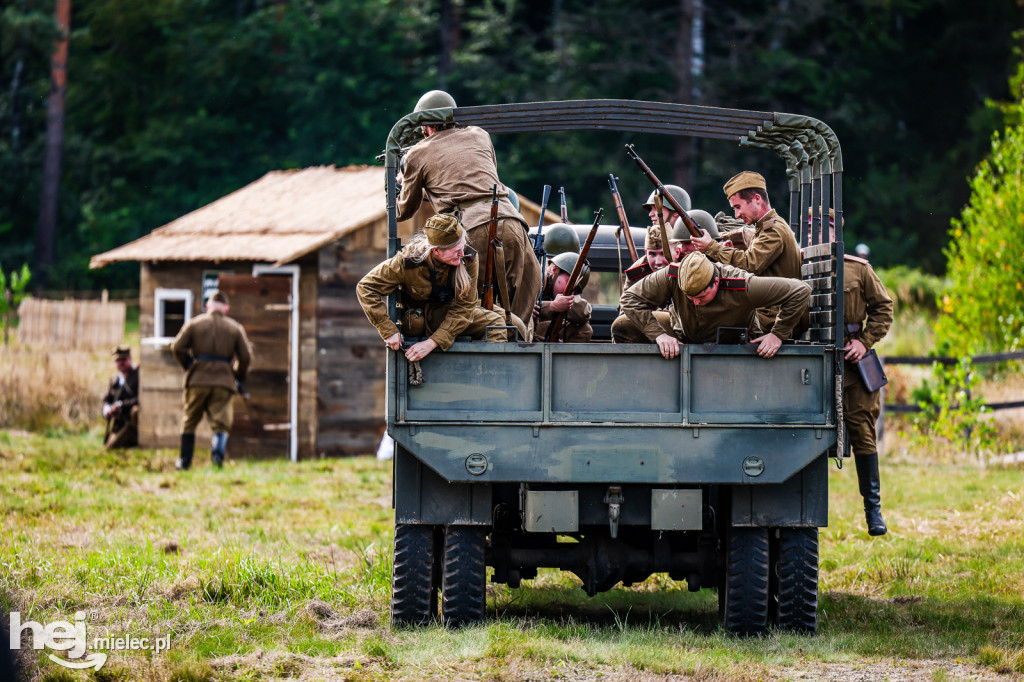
[(739, 295), (424, 311), (215, 353), (868, 308), (773, 252), (457, 168), (577, 318), (624, 331)]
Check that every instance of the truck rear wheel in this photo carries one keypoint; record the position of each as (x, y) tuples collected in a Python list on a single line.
[(743, 599), (463, 588), (796, 578), (413, 586)]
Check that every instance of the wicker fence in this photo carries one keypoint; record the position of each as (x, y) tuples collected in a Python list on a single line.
[(71, 323)]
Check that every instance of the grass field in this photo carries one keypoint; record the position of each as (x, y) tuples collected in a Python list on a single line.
[(271, 570)]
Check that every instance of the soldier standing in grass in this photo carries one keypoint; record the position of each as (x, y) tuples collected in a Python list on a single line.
[(215, 354), (121, 403), (455, 168), (867, 316)]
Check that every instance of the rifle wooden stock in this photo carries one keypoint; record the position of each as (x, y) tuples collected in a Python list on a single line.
[(565, 210), (666, 246), (492, 230), (555, 330), (693, 228), (623, 221)]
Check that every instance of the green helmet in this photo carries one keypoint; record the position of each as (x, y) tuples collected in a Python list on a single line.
[(677, 192), (560, 238), (513, 198), (704, 221), (566, 262), (435, 99)]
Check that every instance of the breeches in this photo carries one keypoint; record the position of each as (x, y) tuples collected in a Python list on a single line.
[(214, 402), (860, 413), (415, 325), (522, 271)]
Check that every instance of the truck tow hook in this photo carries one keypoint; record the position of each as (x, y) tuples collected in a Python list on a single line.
[(613, 498)]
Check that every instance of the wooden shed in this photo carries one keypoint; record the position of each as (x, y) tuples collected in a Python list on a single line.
[(288, 249)]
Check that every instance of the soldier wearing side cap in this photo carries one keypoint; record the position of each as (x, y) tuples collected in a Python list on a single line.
[(437, 274), (773, 251), (706, 296), (121, 403), (455, 168), (215, 353)]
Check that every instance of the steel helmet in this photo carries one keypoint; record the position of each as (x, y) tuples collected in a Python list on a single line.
[(677, 192), (704, 221), (513, 198), (862, 250), (566, 262), (560, 238), (435, 99)]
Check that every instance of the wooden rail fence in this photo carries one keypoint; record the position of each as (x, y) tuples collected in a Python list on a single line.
[(71, 323)]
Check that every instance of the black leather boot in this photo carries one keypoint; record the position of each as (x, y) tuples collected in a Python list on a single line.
[(188, 445), (871, 491), (218, 446)]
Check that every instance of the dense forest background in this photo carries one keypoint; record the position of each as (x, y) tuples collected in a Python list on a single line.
[(173, 103)]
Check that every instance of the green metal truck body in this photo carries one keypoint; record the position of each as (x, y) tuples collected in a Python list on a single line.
[(711, 467)]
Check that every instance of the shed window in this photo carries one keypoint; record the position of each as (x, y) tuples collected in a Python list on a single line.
[(172, 310)]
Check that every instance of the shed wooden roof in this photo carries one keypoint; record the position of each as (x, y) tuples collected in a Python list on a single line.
[(278, 218)]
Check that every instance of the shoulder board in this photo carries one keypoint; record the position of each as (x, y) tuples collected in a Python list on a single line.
[(732, 283), (855, 259), (639, 271), (410, 263), (673, 270)]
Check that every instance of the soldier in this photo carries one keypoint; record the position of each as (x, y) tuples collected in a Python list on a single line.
[(706, 296), (215, 354), (437, 273), (773, 252), (668, 214), (623, 331), (682, 240), (455, 168), (121, 403), (576, 308), (867, 314)]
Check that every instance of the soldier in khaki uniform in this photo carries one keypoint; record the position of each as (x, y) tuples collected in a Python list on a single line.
[(653, 260), (576, 308), (455, 168), (867, 314), (437, 274), (706, 296), (121, 403), (215, 354), (773, 251)]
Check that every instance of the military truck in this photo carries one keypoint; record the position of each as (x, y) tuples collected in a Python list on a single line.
[(607, 460)]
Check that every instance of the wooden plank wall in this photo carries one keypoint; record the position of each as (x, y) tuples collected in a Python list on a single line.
[(352, 354)]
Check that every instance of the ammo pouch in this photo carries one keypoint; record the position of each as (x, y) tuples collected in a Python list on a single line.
[(413, 322), (872, 374)]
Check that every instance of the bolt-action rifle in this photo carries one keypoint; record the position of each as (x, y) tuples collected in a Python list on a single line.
[(687, 220), (555, 330), (565, 210), (623, 221), (666, 245), (538, 241), (492, 234)]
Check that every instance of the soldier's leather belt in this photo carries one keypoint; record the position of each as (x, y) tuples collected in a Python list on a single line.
[(215, 358)]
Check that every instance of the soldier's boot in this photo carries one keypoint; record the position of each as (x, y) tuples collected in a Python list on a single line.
[(218, 445), (871, 491), (188, 446)]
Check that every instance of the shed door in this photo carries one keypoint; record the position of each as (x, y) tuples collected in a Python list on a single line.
[(263, 306)]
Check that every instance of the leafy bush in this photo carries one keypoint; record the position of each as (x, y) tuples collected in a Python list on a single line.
[(951, 409)]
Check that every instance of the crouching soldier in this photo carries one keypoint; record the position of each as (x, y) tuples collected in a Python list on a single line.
[(555, 300), (121, 403), (705, 296), (437, 274)]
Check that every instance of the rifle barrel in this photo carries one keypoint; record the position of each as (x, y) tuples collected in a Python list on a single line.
[(691, 226)]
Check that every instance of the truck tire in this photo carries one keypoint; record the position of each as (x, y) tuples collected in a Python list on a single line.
[(795, 600), (463, 588), (413, 586), (743, 600)]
